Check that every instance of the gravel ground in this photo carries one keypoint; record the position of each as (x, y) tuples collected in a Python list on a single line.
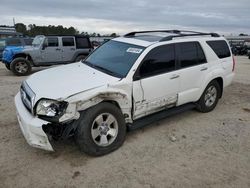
[(187, 150)]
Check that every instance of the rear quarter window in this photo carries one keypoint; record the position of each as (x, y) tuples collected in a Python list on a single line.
[(220, 47), (82, 42)]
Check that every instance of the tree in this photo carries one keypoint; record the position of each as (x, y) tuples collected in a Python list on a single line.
[(242, 34), (113, 35), (20, 27)]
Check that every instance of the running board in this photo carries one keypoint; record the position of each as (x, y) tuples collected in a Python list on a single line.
[(147, 120)]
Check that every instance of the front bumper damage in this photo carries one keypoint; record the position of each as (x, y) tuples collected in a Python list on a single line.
[(31, 126)]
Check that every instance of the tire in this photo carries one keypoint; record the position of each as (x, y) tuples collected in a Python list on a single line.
[(90, 135), (7, 66), (20, 66), (79, 58), (210, 97)]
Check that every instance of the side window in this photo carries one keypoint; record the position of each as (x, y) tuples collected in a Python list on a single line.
[(190, 54), (220, 47), (28, 42), (13, 42), (52, 41), (159, 60), (68, 41), (82, 42)]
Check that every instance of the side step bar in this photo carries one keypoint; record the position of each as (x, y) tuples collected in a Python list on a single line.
[(144, 121)]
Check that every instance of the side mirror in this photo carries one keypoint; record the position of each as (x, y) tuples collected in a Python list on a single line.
[(45, 45)]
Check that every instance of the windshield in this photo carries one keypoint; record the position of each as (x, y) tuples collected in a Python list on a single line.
[(38, 40), (114, 58)]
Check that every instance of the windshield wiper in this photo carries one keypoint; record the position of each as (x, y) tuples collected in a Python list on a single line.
[(102, 69)]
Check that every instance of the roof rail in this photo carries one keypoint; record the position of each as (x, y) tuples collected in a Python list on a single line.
[(132, 34), (189, 35), (179, 33)]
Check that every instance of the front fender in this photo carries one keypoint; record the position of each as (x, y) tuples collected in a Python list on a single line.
[(85, 100)]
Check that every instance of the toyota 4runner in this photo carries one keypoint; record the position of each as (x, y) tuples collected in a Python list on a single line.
[(126, 83), (45, 51)]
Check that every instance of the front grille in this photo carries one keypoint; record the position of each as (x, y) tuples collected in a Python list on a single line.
[(27, 96)]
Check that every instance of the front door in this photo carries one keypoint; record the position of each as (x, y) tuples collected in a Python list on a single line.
[(156, 82), (51, 52)]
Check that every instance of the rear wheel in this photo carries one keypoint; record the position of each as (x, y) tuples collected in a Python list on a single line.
[(20, 66), (101, 129), (80, 58), (210, 97)]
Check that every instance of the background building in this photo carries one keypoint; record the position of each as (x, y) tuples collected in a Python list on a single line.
[(7, 31)]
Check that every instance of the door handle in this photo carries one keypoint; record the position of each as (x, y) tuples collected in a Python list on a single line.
[(174, 76), (72, 48), (203, 68), (58, 49)]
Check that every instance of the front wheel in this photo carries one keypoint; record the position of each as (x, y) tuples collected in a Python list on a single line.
[(210, 97), (7, 66), (20, 66), (101, 129)]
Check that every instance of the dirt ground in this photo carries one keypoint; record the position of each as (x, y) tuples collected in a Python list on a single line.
[(210, 150)]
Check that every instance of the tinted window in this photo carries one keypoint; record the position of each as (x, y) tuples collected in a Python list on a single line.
[(28, 42), (220, 47), (200, 54), (190, 54), (159, 60), (68, 41), (13, 42), (82, 43), (52, 41)]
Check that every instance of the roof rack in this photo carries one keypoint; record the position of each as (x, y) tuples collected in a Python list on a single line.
[(179, 33)]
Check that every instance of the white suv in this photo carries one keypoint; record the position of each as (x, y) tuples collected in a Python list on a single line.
[(127, 82)]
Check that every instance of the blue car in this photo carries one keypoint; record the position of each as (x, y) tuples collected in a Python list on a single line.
[(15, 43)]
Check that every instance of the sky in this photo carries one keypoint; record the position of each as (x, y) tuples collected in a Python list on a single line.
[(122, 16)]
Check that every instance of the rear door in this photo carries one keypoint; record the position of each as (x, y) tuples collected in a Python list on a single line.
[(156, 82), (68, 48), (193, 67)]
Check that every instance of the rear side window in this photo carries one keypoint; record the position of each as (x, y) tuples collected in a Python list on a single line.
[(82, 43), (13, 42), (52, 42), (159, 60), (28, 42), (68, 41), (190, 54), (220, 47)]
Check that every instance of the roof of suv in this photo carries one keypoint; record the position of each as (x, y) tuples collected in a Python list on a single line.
[(146, 38)]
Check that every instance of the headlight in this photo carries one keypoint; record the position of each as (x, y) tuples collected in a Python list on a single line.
[(50, 110)]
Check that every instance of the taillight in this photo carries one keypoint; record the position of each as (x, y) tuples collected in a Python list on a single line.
[(233, 64)]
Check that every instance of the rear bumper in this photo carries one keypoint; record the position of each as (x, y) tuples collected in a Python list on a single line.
[(31, 127)]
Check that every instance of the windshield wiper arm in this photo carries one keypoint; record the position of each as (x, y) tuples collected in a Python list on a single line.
[(102, 69)]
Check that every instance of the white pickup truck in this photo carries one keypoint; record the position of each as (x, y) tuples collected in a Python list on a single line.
[(127, 82)]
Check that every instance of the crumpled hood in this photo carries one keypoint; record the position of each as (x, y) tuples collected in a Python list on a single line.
[(66, 80)]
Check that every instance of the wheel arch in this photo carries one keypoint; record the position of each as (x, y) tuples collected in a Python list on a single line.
[(219, 79), (26, 56), (118, 99)]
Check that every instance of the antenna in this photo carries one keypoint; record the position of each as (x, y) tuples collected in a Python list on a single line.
[(14, 23)]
